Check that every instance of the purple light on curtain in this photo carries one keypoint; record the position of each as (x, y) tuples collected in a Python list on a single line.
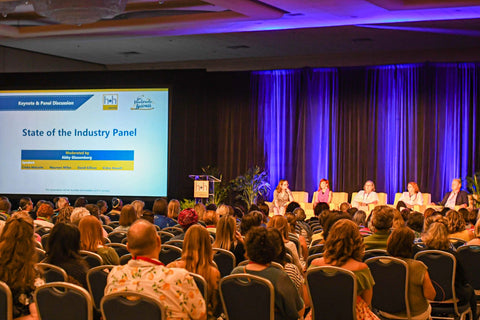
[(455, 101), (277, 98), (393, 100), (320, 111)]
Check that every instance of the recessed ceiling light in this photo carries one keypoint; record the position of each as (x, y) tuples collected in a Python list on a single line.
[(238, 47)]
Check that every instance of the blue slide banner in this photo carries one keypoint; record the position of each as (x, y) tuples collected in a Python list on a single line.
[(61, 102), (119, 155)]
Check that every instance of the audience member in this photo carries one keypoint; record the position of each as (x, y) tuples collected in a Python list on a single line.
[(303, 227), (228, 238), (63, 250), (117, 205), (173, 209), (415, 222), (80, 202), (249, 221), (186, 219), (210, 219), (360, 218), (382, 220), (103, 208), (138, 206), (44, 216), (436, 238), (420, 287), (476, 240), (64, 215), (345, 206), (199, 209), (148, 215), (92, 239), (160, 211), (17, 265), (174, 287), (292, 206), (128, 215), (5, 206), (77, 214), (280, 223), (456, 226), (197, 257), (261, 250), (344, 248)]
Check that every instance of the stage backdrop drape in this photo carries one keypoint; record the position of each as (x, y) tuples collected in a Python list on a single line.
[(391, 124)]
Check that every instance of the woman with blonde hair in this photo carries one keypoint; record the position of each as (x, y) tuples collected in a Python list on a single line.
[(173, 209), (456, 226), (197, 257), (227, 237), (17, 265), (138, 205), (91, 239), (281, 224), (344, 248)]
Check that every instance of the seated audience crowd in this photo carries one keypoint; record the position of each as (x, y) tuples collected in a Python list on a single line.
[(278, 248)]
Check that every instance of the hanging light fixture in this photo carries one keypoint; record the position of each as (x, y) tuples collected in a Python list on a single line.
[(77, 12)]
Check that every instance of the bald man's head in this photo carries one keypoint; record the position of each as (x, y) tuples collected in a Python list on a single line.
[(142, 238)]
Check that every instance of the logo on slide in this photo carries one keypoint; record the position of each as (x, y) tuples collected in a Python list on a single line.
[(142, 103), (110, 102)]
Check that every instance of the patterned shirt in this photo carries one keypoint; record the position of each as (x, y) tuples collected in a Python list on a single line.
[(174, 287)]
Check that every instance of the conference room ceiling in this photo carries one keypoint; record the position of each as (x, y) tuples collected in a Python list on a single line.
[(169, 33)]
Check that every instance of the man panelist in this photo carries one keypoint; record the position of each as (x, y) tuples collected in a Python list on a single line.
[(456, 197)]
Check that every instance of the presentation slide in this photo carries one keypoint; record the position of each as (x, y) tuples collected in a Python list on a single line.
[(84, 142)]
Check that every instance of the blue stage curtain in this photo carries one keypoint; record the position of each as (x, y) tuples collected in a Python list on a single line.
[(391, 124)]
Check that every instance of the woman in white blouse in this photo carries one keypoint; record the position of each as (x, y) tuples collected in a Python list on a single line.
[(411, 198)]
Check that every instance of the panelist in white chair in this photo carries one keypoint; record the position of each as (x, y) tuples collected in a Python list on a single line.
[(410, 198), (323, 194), (281, 197), (366, 196)]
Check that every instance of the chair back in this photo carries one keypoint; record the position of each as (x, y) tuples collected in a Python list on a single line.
[(441, 269), (92, 259), (40, 254), (225, 261), (175, 230), (313, 257), (114, 224), (176, 243), (294, 238), (52, 273), (201, 284), (63, 300), (333, 293), (42, 230), (165, 236), (354, 194), (120, 248), (117, 236), (374, 253), (44, 240), (338, 198), (318, 248), (391, 284), (107, 228), (169, 254), (469, 258), (382, 198), (125, 258), (427, 198), (246, 296), (6, 302), (128, 305), (300, 196), (398, 195), (456, 242), (97, 281)]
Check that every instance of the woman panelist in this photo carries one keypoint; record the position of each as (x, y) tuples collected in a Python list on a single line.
[(324, 194), (412, 197), (281, 197)]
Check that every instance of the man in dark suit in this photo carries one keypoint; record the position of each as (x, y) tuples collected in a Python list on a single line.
[(456, 197)]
